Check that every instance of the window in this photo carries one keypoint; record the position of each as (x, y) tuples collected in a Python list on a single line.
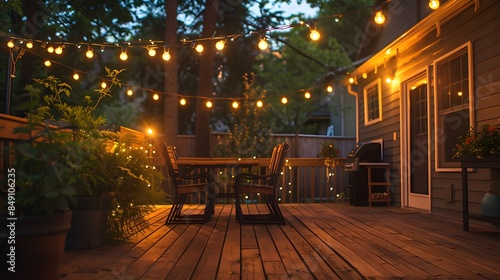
[(454, 104), (373, 103)]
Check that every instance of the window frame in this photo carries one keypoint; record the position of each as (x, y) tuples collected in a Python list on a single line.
[(378, 85), (441, 165)]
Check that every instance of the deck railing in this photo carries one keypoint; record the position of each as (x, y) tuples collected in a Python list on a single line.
[(304, 179)]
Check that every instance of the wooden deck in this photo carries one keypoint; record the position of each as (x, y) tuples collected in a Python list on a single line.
[(320, 241)]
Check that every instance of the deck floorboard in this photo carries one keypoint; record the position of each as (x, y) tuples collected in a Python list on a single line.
[(319, 241)]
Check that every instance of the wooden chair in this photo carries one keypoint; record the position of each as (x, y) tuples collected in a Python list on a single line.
[(184, 185), (264, 185)]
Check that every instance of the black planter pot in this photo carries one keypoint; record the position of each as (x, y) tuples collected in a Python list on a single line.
[(88, 225), (38, 249)]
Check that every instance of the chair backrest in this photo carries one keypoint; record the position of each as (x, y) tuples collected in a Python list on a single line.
[(277, 163), (170, 156)]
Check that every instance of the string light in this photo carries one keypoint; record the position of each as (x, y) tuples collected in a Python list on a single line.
[(284, 100), (379, 17), (220, 45), (29, 45), (47, 63), (235, 104), (260, 103), (434, 4), (130, 92), (329, 88), (89, 53), (156, 96), (314, 34), (104, 85), (182, 101), (209, 104), (263, 44), (10, 44), (58, 50), (199, 48), (151, 51), (307, 95), (76, 77), (124, 55), (50, 49), (166, 55), (351, 80)]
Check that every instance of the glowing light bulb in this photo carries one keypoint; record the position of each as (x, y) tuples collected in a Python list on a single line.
[(76, 77), (263, 44), (220, 45), (152, 52), (50, 49), (235, 104), (199, 48), (89, 54), (364, 75), (123, 55), (166, 56), (209, 104), (459, 93), (314, 35), (130, 92), (434, 4), (379, 17), (47, 63), (307, 95), (260, 104), (182, 101), (351, 80), (156, 96), (388, 80), (58, 50), (284, 100), (104, 85), (329, 88), (10, 44), (29, 45)]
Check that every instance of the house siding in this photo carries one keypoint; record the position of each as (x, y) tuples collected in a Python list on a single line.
[(482, 30)]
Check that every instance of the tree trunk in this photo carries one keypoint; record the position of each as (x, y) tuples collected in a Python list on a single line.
[(170, 101), (205, 85)]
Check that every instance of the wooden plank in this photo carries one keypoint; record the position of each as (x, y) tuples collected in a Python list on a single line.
[(251, 264), (229, 266)]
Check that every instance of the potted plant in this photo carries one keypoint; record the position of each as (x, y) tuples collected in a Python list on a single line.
[(329, 153), (480, 144)]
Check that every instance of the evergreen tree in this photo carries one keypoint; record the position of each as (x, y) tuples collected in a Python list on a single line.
[(249, 133)]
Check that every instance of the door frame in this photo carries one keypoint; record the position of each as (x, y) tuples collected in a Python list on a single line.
[(422, 202)]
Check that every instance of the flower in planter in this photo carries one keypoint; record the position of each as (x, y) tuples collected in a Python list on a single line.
[(480, 143)]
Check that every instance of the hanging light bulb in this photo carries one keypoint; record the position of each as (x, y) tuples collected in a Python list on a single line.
[(50, 49), (314, 34), (199, 48), (182, 101), (89, 53), (260, 104), (329, 88), (151, 52), (58, 50), (379, 17), (29, 45), (104, 85), (47, 63), (351, 80), (209, 104), (284, 100), (307, 95), (388, 79), (263, 44), (166, 55), (124, 55), (10, 44), (220, 45), (235, 104), (434, 4), (130, 92), (76, 77), (156, 96)]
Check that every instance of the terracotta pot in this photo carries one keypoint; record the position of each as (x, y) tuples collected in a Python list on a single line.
[(39, 246)]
